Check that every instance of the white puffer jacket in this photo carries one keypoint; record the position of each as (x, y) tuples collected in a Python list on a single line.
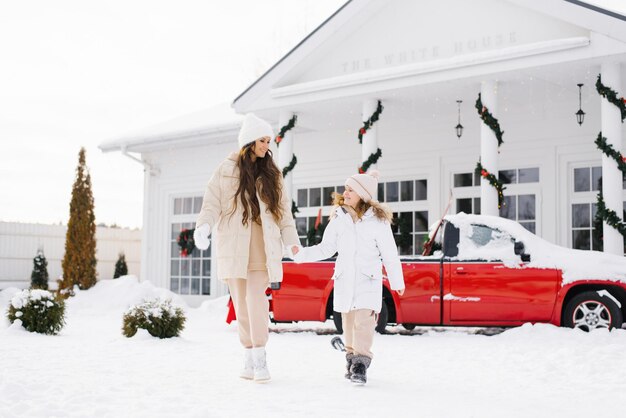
[(358, 269), (233, 238)]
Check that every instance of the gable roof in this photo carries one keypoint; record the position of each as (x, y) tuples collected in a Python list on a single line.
[(578, 13)]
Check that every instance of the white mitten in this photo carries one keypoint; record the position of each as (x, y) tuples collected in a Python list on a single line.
[(201, 236)]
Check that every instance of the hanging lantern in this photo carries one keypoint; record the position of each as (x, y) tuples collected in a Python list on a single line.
[(459, 127), (580, 115)]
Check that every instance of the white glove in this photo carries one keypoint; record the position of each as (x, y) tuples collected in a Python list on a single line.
[(201, 236)]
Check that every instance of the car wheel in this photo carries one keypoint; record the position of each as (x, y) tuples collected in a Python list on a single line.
[(380, 326), (409, 327), (591, 310)]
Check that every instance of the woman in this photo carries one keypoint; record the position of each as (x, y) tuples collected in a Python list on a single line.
[(246, 201)]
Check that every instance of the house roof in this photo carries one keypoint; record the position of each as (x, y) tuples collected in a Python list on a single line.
[(582, 14), (216, 122)]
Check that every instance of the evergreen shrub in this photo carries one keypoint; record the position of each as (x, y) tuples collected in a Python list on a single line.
[(38, 310), (157, 316), (121, 269)]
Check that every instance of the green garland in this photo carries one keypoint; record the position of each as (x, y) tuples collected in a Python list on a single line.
[(609, 216), (492, 123), (609, 151), (603, 213), (185, 242), (493, 180), (368, 123), (289, 126), (489, 120), (294, 160), (372, 159), (610, 94), (290, 167)]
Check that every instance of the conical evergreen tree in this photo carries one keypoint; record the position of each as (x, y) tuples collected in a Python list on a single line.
[(79, 261), (121, 269), (39, 276)]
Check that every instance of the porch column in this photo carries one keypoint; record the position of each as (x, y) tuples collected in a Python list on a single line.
[(611, 175), (489, 150), (285, 151), (369, 145)]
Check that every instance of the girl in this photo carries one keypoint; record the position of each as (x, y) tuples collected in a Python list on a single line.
[(245, 199), (360, 232)]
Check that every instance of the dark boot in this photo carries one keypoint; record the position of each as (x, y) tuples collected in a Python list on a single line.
[(348, 374), (359, 369)]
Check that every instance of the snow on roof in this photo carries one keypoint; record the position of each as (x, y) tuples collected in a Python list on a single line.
[(211, 120), (576, 265)]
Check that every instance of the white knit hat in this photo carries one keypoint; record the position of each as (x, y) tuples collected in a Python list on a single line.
[(365, 185), (252, 129)]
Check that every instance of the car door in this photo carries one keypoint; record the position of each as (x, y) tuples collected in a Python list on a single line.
[(421, 303), (489, 284)]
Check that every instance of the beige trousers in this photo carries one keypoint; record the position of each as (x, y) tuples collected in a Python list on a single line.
[(252, 308), (358, 329)]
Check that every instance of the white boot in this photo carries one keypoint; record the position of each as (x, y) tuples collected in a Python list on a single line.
[(248, 365), (261, 374)]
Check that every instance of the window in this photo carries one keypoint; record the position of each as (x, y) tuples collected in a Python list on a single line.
[(466, 180), (406, 191), (587, 179), (190, 275), (410, 230), (519, 175), (391, 191), (584, 236), (486, 243), (303, 200), (520, 208), (468, 205), (403, 191), (317, 196)]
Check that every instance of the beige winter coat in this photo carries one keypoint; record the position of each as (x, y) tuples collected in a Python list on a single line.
[(233, 238)]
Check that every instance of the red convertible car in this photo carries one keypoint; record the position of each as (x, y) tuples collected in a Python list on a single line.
[(487, 271)]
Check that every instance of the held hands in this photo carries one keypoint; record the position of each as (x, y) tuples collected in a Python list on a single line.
[(201, 236), (295, 249)]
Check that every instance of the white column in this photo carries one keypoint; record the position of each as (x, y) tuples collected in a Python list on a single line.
[(285, 151), (370, 139), (611, 176), (489, 150)]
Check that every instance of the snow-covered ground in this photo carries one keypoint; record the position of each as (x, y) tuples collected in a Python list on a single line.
[(90, 369)]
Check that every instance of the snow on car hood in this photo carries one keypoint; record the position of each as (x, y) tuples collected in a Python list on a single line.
[(576, 265)]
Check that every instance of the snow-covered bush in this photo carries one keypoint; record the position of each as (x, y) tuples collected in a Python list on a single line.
[(157, 316), (38, 311)]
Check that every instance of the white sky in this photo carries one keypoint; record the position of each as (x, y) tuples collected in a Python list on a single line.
[(77, 72)]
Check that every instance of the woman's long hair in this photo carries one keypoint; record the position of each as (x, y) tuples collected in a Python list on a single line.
[(381, 211), (262, 173)]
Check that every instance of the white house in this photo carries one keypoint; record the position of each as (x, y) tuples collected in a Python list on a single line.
[(419, 59)]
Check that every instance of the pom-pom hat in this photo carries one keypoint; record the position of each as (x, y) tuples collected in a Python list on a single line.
[(252, 129), (365, 185)]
